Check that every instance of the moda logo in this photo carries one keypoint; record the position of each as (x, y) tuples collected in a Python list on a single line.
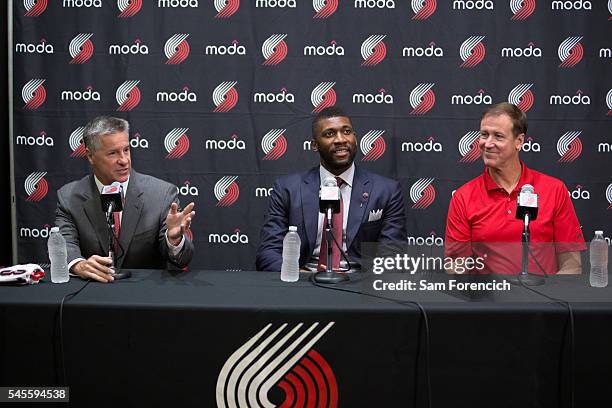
[(75, 141), (570, 52), (87, 95), (429, 146), (233, 49), (274, 49), (225, 96), (531, 146), (183, 96), (431, 51), (522, 97), (423, 9), (281, 97), (324, 8), (128, 95), (609, 101), (41, 140), (138, 142), (188, 190), (34, 8), (422, 99), (275, 3), (262, 192), (527, 52), (605, 53), (379, 98), (232, 144), (472, 51), (226, 8), (256, 370), (604, 147), (468, 147), (176, 143), (571, 5), (372, 145), (176, 49), (429, 240), (36, 187), (226, 191), (25, 232), (178, 3), (331, 50), (41, 48), (481, 98), (422, 193), (609, 196), (34, 94), (521, 9), (236, 238), (389, 4), (569, 146), (580, 193), (124, 49), (373, 50), (82, 3), (473, 5), (128, 8), (274, 144), (578, 99), (323, 96)]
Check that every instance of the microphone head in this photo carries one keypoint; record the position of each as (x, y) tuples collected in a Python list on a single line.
[(527, 188), (330, 182)]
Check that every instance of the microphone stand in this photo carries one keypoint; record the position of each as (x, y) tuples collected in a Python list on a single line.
[(110, 222), (329, 276), (525, 277)]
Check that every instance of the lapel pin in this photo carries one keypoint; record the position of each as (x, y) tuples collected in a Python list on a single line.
[(365, 197)]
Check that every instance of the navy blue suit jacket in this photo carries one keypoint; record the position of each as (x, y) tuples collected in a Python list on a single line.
[(295, 201)]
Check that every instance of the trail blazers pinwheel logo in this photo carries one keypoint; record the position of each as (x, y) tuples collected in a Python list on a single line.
[(75, 141), (521, 96), (81, 48), (570, 52), (226, 8), (227, 191), (422, 99), (128, 8), (283, 358), (610, 9), (225, 96), (34, 94), (372, 145), (423, 9), (569, 146), (323, 96), (274, 49), (34, 8), (274, 144), (472, 51), (468, 147), (422, 193), (128, 95), (521, 9), (36, 186), (176, 49), (176, 143), (324, 8), (609, 196), (609, 101), (373, 50)]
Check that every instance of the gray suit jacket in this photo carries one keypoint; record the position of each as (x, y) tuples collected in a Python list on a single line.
[(83, 223)]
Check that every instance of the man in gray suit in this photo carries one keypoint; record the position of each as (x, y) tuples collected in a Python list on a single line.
[(153, 230)]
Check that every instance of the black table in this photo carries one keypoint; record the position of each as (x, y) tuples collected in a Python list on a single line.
[(181, 339)]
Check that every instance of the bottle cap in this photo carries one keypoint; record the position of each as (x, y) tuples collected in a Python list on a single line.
[(55, 229), (293, 228)]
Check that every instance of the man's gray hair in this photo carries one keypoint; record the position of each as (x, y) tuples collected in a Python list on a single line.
[(101, 126)]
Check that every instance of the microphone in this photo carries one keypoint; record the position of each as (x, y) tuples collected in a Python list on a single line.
[(110, 197), (527, 203), (329, 196)]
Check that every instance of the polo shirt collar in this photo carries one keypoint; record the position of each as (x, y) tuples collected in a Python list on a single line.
[(526, 178)]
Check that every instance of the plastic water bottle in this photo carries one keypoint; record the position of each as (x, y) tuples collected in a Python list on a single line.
[(599, 261), (290, 269), (57, 255)]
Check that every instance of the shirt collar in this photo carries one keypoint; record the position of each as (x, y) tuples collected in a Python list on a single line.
[(347, 176), (526, 178), (101, 186)]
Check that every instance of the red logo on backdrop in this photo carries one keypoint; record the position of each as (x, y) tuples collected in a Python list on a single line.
[(609, 191), (274, 49), (472, 51), (225, 96), (422, 99), (226, 8), (34, 94), (373, 50), (34, 7), (423, 9), (128, 8), (521, 9), (522, 97), (468, 147), (176, 143), (227, 191), (128, 95), (76, 142), (323, 96), (422, 193), (176, 49), (569, 146), (372, 145), (36, 186), (255, 370), (274, 144), (609, 100), (570, 52), (81, 48), (324, 8)]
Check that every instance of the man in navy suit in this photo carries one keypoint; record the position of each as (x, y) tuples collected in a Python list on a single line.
[(373, 207)]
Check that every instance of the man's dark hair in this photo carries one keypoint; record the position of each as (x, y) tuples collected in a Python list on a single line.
[(517, 116), (329, 112)]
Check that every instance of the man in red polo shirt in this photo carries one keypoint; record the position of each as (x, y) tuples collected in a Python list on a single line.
[(482, 213)]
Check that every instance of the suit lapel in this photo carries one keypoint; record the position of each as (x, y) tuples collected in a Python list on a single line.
[(93, 211), (360, 194), (131, 214), (309, 191)]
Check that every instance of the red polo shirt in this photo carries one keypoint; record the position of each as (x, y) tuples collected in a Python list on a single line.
[(482, 222)]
